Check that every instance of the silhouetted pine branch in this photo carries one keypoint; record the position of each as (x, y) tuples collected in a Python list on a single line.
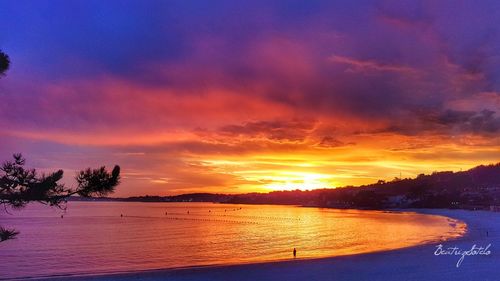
[(20, 186), (6, 234), (4, 62)]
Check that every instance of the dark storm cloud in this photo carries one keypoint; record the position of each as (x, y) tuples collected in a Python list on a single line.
[(483, 122), (448, 122), (294, 130), (372, 60)]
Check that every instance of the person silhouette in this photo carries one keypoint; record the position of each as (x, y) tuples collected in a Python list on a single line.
[(294, 252)]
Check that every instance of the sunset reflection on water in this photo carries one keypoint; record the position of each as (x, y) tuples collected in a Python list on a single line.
[(94, 237)]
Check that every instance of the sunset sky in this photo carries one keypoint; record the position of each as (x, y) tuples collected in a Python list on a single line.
[(241, 96)]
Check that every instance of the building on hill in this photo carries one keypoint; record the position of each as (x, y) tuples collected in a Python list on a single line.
[(495, 208)]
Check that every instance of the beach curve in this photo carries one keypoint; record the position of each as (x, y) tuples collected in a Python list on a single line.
[(414, 263)]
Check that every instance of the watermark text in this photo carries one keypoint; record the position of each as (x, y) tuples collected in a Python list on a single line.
[(456, 251)]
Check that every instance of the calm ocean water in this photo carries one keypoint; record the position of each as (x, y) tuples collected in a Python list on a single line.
[(94, 238)]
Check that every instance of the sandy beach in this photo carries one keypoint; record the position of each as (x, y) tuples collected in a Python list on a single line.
[(415, 263)]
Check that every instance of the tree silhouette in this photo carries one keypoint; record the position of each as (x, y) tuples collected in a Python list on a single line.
[(4, 62), (20, 186)]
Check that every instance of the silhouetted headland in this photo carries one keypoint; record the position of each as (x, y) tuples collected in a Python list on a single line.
[(477, 188)]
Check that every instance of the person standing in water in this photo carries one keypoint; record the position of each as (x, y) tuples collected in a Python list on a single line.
[(294, 252)]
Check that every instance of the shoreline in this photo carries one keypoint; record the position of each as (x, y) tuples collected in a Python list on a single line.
[(411, 263)]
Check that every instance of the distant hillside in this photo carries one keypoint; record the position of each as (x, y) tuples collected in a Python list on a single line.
[(477, 188)]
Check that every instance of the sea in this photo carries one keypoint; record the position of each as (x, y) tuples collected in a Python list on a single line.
[(112, 237)]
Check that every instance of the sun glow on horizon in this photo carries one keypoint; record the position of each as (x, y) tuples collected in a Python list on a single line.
[(289, 180), (283, 172), (275, 174)]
